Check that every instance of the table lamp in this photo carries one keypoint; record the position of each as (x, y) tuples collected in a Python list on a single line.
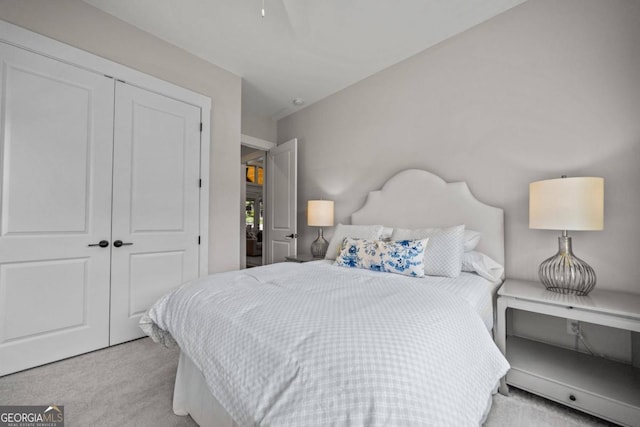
[(319, 214), (567, 204)]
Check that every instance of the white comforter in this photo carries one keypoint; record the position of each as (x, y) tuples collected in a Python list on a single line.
[(318, 345)]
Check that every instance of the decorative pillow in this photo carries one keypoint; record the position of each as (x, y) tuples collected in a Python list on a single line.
[(481, 264), (443, 256), (401, 257), (404, 256), (371, 232), (359, 253), (471, 240)]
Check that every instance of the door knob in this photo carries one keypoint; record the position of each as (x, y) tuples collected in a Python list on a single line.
[(292, 236), (101, 243), (119, 243)]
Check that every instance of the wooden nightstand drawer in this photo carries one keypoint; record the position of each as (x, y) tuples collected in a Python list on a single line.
[(587, 402)]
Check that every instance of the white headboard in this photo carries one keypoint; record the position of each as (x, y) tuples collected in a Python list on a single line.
[(417, 199)]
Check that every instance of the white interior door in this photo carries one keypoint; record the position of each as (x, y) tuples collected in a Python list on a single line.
[(155, 203), (55, 182), (282, 201), (243, 218)]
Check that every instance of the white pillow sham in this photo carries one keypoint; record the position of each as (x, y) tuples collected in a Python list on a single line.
[(370, 232), (404, 257), (471, 240), (481, 264), (443, 256), (386, 233)]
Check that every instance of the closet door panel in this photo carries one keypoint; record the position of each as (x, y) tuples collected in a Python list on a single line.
[(155, 203), (56, 140)]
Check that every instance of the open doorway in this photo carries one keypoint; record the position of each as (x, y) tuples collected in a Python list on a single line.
[(253, 208), (268, 208)]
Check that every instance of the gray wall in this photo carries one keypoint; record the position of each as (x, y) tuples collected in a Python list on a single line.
[(81, 25), (259, 126), (548, 88)]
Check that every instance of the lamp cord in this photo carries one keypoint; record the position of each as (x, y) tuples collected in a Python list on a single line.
[(582, 339)]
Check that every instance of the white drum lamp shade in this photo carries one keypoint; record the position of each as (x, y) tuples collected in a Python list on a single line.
[(567, 204), (319, 214)]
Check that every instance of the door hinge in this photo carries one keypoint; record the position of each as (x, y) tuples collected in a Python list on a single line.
[(198, 239), (200, 126), (200, 183)]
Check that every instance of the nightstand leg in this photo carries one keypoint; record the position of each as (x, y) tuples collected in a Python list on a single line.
[(503, 389), (501, 339), (635, 349)]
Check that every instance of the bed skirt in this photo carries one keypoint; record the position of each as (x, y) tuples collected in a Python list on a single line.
[(191, 396)]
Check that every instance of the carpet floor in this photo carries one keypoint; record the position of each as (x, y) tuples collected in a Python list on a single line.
[(131, 384)]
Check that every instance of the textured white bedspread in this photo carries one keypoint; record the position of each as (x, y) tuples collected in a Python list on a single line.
[(477, 291), (317, 345)]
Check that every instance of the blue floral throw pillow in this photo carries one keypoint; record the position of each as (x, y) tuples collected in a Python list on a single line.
[(400, 257)]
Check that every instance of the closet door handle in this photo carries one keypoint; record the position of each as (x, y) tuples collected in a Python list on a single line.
[(101, 243), (119, 243), (292, 236)]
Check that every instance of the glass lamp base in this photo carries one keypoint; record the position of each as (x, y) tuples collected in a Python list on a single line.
[(319, 246), (565, 273)]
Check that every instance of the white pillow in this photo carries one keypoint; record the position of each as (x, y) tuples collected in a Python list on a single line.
[(443, 256), (371, 232), (386, 233), (401, 256), (471, 240), (477, 262)]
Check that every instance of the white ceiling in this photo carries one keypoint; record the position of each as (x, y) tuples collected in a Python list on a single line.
[(305, 49)]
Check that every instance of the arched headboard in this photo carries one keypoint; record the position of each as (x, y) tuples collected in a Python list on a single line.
[(418, 199)]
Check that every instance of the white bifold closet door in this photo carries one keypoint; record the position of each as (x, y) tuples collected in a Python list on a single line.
[(155, 203), (86, 160), (57, 142)]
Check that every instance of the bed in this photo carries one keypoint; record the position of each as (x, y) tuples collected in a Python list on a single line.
[(320, 344)]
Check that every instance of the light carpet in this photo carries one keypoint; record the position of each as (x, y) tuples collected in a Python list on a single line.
[(131, 384)]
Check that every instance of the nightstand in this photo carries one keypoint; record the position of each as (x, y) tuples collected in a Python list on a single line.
[(604, 388), (301, 258)]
